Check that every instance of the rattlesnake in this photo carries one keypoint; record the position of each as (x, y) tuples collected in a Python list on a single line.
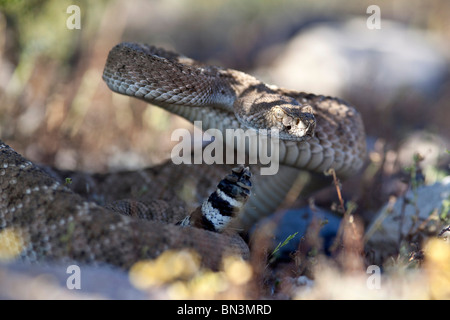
[(46, 220)]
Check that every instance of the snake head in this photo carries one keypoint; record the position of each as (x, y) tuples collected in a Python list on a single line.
[(265, 110), (294, 120)]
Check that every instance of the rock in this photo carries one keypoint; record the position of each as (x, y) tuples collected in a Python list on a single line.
[(413, 220), (289, 222), (20, 280), (330, 58), (431, 146)]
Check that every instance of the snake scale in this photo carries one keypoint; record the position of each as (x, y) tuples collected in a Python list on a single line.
[(48, 220)]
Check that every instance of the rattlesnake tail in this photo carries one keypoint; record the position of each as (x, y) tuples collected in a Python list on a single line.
[(224, 204)]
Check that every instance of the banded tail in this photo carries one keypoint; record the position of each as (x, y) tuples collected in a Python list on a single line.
[(224, 204)]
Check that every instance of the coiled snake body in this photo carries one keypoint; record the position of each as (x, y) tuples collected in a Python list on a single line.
[(46, 220)]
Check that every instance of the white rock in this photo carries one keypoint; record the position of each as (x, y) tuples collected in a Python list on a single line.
[(395, 221)]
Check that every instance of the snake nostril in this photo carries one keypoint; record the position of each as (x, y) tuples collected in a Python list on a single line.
[(288, 128)]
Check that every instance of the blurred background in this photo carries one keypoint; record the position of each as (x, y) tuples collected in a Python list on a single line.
[(55, 109)]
